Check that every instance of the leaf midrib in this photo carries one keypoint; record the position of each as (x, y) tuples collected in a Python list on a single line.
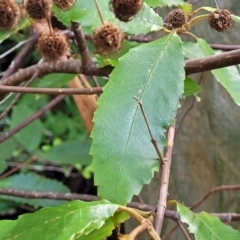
[(134, 116)]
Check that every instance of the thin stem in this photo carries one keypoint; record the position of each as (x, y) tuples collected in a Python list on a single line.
[(16, 98), (52, 91), (225, 217), (99, 12), (190, 34), (74, 66), (81, 44), (164, 181), (185, 233), (198, 18), (30, 160), (153, 140), (213, 191), (15, 47), (215, 1), (33, 117)]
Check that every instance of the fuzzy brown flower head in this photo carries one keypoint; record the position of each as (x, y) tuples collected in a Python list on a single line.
[(64, 4), (9, 14), (52, 46), (177, 18), (220, 20), (124, 10), (108, 38), (38, 9)]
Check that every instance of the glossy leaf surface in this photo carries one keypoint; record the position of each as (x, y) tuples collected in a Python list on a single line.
[(124, 158), (86, 14), (74, 220)]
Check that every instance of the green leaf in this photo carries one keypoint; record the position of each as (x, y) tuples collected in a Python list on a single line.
[(33, 182), (106, 229), (6, 150), (69, 152), (54, 80), (73, 220), (86, 14), (229, 77), (162, 3), (235, 18), (124, 158), (190, 87), (204, 226), (4, 34), (30, 136)]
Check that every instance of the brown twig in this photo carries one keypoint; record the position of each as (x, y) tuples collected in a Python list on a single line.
[(213, 191), (81, 44), (170, 232), (164, 181), (30, 160), (16, 98), (33, 117), (153, 140), (185, 233), (74, 66), (19, 59), (200, 201), (226, 217), (52, 91)]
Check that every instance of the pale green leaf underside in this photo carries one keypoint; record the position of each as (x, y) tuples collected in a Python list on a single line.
[(124, 159), (86, 14), (68, 221), (228, 77), (204, 226)]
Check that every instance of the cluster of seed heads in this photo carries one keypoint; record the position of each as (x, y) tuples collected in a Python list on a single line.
[(9, 14), (108, 38), (220, 20)]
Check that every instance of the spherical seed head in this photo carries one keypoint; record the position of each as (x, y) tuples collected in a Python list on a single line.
[(108, 38), (220, 20), (177, 18), (9, 14), (52, 46), (38, 9), (64, 4), (124, 10)]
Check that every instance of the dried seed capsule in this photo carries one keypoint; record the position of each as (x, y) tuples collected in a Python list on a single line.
[(108, 38), (38, 9), (220, 20), (124, 10), (52, 46), (64, 4), (177, 18), (9, 14)]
